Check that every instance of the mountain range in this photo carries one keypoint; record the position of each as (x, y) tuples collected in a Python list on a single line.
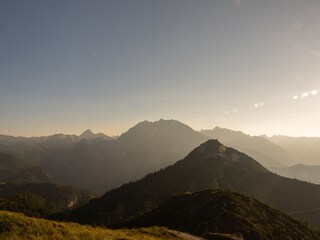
[(99, 163), (216, 190)]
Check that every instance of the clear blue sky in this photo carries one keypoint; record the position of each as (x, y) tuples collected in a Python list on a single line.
[(66, 66)]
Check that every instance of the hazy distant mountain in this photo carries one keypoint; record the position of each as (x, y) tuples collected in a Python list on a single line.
[(209, 166), (52, 153), (279, 154), (99, 163), (88, 134), (306, 150), (261, 149), (144, 148), (223, 211), (301, 172)]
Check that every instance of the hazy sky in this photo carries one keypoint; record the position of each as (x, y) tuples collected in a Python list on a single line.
[(66, 66)]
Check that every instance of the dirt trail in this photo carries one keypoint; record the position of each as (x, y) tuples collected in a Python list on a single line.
[(185, 236), (304, 211)]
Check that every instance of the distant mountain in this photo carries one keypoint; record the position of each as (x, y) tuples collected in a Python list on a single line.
[(306, 150), (88, 134), (223, 211), (52, 153), (286, 156), (301, 172), (153, 145), (105, 164), (10, 171), (19, 227), (209, 166), (99, 163), (261, 149), (41, 199)]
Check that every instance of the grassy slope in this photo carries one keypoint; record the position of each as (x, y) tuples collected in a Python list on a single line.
[(17, 226)]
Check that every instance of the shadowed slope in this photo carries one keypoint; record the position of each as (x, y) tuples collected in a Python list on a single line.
[(226, 212)]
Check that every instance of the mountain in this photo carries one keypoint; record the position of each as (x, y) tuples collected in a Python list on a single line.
[(88, 134), (17, 226), (223, 211), (301, 172), (153, 145), (279, 154), (209, 166), (261, 149), (148, 146), (99, 163), (11, 172), (305, 149), (41, 199)]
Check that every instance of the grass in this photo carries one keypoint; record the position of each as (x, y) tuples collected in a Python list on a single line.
[(16, 226)]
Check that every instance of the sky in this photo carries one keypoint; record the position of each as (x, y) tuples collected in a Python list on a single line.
[(250, 65)]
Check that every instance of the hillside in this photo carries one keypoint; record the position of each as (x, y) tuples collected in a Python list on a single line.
[(17, 226), (226, 212), (41, 200), (209, 166), (261, 149), (10, 171)]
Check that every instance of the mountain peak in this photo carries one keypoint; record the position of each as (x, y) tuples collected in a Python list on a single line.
[(172, 129), (87, 132), (211, 145), (160, 122), (214, 150), (210, 148)]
